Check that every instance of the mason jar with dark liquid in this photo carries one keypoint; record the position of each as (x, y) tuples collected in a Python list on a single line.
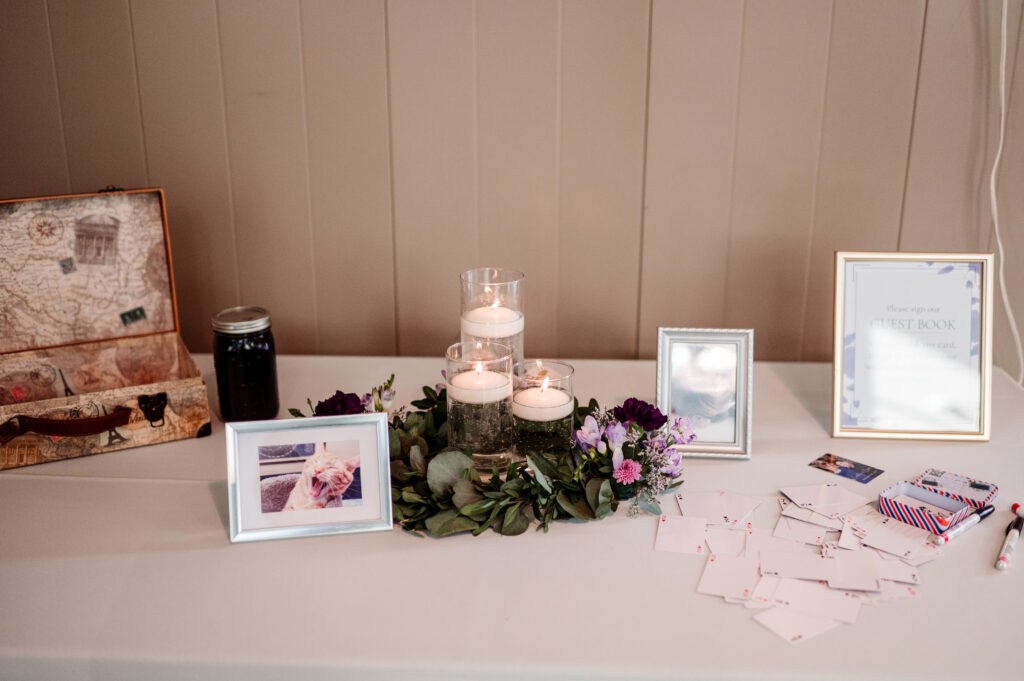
[(246, 364)]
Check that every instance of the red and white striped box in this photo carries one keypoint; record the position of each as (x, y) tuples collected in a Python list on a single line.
[(935, 500)]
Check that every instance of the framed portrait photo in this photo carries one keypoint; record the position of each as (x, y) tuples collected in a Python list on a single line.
[(913, 346), (707, 376), (307, 477)]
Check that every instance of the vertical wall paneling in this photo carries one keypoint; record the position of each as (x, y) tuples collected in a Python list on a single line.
[(1011, 200), (30, 124), (517, 104), (182, 95), (646, 162), (269, 175), (345, 58), (695, 59), (869, 108), (604, 84), (956, 126), (433, 114), (782, 85), (99, 102)]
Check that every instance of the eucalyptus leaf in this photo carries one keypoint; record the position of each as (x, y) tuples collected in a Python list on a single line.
[(445, 469), (649, 505), (538, 473), (436, 521), (296, 413), (464, 494), (577, 508), (455, 525), (593, 491), (395, 444), (481, 507), (412, 498), (515, 523), (417, 460)]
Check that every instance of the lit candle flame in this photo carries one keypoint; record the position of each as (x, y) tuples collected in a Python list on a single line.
[(544, 385), (479, 367)]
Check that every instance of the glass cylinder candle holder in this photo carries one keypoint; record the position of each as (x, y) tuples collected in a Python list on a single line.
[(492, 308), (478, 379), (543, 406)]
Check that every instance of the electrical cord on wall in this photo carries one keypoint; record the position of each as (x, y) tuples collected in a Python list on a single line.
[(995, 205)]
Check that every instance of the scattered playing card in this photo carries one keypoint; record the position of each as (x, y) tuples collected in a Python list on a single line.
[(718, 508), (795, 565), (726, 541), (763, 592), (854, 571), (816, 598), (791, 510), (830, 500), (728, 576), (798, 530), (846, 468), (794, 626), (680, 534)]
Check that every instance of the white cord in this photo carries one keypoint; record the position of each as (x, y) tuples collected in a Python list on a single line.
[(995, 205)]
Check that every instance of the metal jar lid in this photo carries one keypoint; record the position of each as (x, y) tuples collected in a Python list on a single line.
[(238, 320)]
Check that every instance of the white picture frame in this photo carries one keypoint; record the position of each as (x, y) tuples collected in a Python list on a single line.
[(912, 350), (707, 375), (308, 477)]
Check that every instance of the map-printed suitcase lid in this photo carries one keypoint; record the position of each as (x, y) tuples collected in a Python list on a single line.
[(82, 268)]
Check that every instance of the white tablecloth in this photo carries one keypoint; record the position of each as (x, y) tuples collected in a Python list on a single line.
[(118, 566)]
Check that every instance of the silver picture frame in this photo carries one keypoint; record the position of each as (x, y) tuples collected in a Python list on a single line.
[(707, 375), (308, 477), (912, 350)]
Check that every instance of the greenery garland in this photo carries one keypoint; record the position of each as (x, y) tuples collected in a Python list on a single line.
[(625, 454)]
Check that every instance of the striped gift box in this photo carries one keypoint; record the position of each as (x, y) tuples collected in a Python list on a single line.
[(976, 493), (894, 503)]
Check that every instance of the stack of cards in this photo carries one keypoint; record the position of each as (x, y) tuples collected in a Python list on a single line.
[(829, 554)]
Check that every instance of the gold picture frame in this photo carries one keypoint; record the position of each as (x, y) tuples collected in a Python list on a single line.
[(912, 353)]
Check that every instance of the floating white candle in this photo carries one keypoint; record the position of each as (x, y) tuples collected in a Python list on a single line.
[(541, 404), (492, 322), (479, 387)]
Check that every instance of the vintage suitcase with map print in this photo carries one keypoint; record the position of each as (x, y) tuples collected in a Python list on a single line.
[(90, 356)]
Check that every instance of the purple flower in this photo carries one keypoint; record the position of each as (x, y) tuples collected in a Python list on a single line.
[(340, 403), (674, 465), (681, 431), (638, 411), (628, 472), (589, 436), (616, 434), (657, 444)]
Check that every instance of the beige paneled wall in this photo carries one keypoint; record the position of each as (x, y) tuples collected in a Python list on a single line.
[(646, 163)]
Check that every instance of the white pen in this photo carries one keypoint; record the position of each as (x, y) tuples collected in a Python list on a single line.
[(1012, 534), (970, 521)]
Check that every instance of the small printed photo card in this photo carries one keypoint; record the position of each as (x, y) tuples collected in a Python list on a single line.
[(848, 469)]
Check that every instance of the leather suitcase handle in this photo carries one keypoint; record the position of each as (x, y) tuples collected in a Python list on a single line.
[(93, 425)]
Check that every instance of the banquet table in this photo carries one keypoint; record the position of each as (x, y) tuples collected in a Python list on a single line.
[(119, 565)]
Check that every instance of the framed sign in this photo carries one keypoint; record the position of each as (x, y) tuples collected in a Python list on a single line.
[(306, 477), (707, 376), (913, 345)]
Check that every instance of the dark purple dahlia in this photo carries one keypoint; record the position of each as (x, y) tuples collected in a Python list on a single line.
[(341, 403), (638, 411)]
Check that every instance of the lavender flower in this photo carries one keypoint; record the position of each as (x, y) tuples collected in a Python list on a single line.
[(681, 431), (637, 411), (589, 436)]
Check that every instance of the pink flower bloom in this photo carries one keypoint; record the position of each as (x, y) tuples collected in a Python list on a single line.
[(628, 472)]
